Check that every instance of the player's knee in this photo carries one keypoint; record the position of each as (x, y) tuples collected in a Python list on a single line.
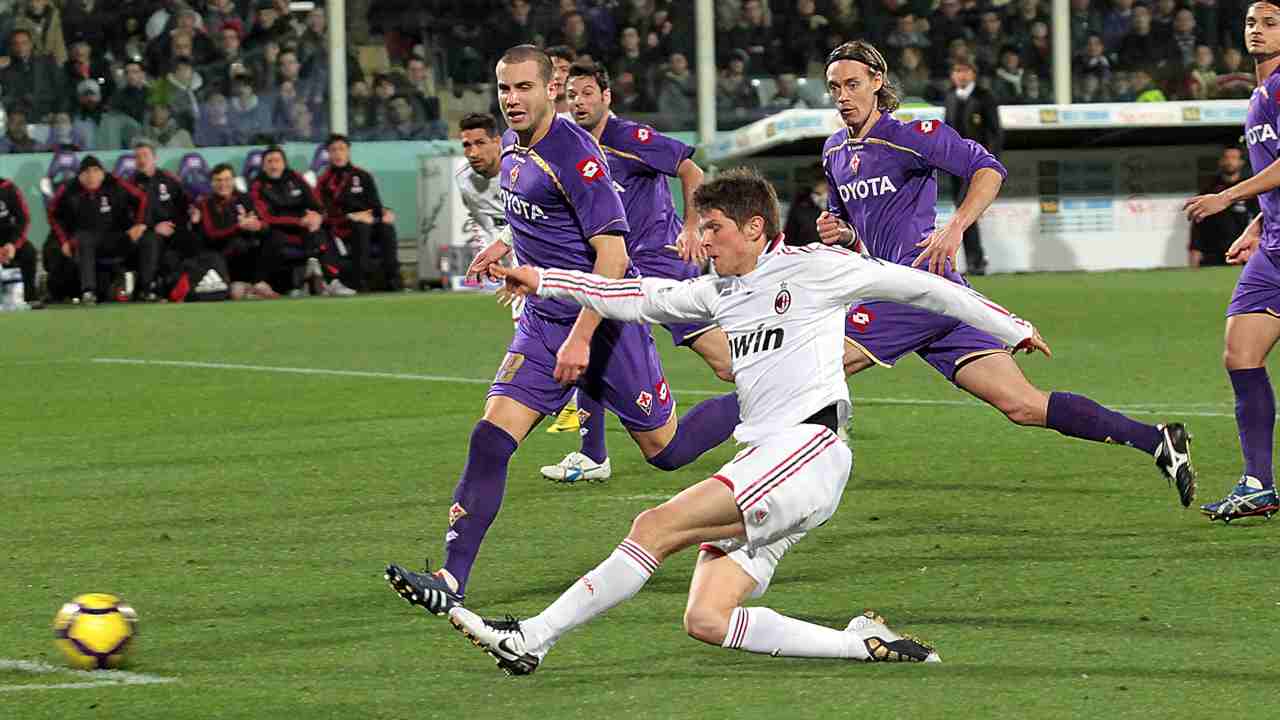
[(707, 624), (723, 371), (663, 461), (1237, 358), (1022, 410), (649, 528)]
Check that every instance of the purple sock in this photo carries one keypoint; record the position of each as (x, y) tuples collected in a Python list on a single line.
[(1256, 419), (591, 427), (477, 498), (708, 424), (1079, 417)]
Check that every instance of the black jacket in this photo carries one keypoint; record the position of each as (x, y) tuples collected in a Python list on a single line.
[(220, 219), (116, 206), (346, 190), (15, 219), (166, 198), (977, 118), (281, 203), (1213, 235)]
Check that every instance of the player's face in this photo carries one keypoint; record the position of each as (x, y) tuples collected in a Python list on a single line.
[(146, 160), (525, 98), (223, 184), (587, 102), (560, 77), (1231, 162), (853, 88), (339, 154), (732, 249), (92, 178), (482, 151), (1262, 30), (273, 165)]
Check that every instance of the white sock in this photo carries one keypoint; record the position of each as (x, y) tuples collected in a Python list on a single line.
[(761, 630), (616, 579)]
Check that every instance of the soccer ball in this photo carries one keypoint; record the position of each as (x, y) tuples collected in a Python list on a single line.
[(94, 631)]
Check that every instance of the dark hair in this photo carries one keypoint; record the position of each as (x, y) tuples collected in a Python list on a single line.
[(337, 137), (564, 52), (144, 142), (221, 168), (741, 193), (479, 121), (19, 31), (275, 149), (531, 53), (595, 71), (867, 54)]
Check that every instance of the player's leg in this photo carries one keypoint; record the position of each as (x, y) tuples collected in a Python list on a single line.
[(389, 246), (590, 461), (706, 511), (360, 249)]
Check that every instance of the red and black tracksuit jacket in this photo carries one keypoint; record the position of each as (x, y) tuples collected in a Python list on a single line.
[(115, 207), (344, 190), (15, 218), (166, 198), (220, 218), (281, 203)]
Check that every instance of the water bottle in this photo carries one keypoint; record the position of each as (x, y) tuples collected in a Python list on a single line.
[(12, 291)]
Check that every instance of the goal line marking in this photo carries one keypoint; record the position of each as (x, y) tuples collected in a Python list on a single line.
[(88, 678)]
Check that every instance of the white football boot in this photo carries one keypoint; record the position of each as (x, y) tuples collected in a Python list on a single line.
[(885, 645), (575, 466)]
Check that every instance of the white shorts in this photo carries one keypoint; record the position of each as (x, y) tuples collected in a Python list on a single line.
[(784, 486)]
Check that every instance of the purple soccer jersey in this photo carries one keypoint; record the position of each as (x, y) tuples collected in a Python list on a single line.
[(884, 186), (640, 160), (558, 194), (1262, 133)]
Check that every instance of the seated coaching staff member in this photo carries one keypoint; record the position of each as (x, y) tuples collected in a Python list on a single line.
[(355, 213), (229, 225)]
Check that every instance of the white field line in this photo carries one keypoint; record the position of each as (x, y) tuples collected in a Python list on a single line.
[(89, 679), (1140, 409)]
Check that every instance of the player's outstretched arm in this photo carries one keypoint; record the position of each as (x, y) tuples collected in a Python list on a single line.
[(648, 300), (861, 279), (1202, 206)]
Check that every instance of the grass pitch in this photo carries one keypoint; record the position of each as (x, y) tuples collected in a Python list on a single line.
[(247, 515)]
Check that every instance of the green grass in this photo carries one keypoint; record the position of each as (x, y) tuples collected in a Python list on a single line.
[(248, 515)]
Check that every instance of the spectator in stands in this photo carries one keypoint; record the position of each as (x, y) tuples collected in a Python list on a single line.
[(231, 60), (167, 213), (1116, 22), (756, 36), (1185, 38), (15, 220), (180, 90), (628, 97), (44, 21), (845, 19), (313, 43), (163, 129), (677, 93), (1093, 70), (218, 13), (268, 27), (513, 25), (802, 218), (250, 115), (573, 34), (290, 71), (1144, 90), (987, 45), (1233, 82), (946, 26), (1201, 81), (230, 226), (100, 215), (1008, 81), (355, 213), (422, 90), (1142, 47), (360, 122), (213, 127), (912, 75), (1037, 58), (80, 65), (292, 213), (384, 88), (402, 124), (786, 94), (303, 126), (630, 58), (1085, 21), (561, 58), (973, 112), (1211, 237), (17, 139), (94, 22), (29, 78), (63, 135), (806, 30), (1163, 17), (733, 88), (907, 35), (131, 98)]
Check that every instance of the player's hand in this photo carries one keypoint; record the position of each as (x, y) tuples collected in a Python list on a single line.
[(1034, 343), (136, 231), (7, 251), (364, 216), (1243, 248), (388, 216), (166, 228), (1202, 206), (312, 220), (517, 282), (487, 260), (66, 249), (571, 360), (193, 213), (833, 231), (689, 246), (250, 223), (940, 249)]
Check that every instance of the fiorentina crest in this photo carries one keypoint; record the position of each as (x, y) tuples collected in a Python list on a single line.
[(855, 162)]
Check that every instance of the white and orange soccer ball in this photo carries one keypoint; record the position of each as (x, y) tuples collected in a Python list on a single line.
[(95, 631)]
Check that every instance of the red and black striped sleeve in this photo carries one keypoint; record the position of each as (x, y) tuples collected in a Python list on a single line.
[(211, 230), (263, 208), (56, 207), (140, 198), (21, 214)]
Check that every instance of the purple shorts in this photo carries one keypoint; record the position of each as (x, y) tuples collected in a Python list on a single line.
[(670, 266), (625, 373), (886, 331), (1258, 289)]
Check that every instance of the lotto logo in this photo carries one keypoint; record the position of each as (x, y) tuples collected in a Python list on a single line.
[(590, 169), (664, 392), (926, 126), (644, 135), (861, 318)]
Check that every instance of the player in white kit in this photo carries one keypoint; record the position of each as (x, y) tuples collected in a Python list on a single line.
[(783, 310), (478, 184)]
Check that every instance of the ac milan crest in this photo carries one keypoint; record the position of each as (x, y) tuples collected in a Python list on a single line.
[(760, 515), (782, 302)]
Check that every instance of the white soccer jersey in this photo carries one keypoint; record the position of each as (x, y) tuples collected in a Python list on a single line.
[(785, 321), (481, 197)]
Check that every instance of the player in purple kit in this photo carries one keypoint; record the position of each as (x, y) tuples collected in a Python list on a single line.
[(883, 190), (640, 161), (1253, 317), (563, 211)]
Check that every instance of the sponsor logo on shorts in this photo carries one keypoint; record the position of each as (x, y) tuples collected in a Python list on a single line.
[(861, 318), (456, 513), (782, 302), (510, 366), (644, 134), (590, 169), (924, 127), (645, 401), (663, 390), (758, 516)]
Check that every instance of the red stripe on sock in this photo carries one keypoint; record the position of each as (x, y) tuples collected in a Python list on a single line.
[(637, 553)]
